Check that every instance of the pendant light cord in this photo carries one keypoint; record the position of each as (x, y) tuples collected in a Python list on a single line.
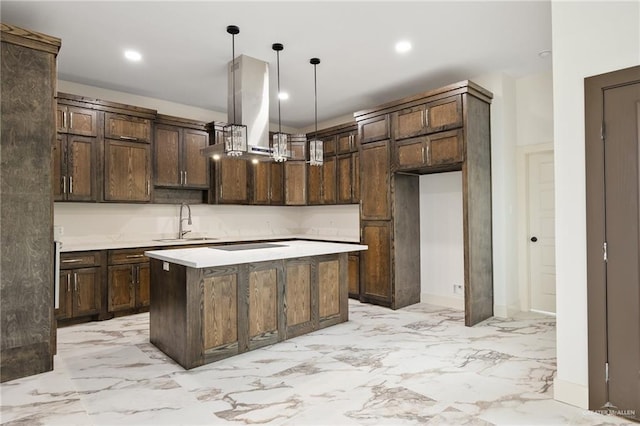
[(233, 73), (278, 65)]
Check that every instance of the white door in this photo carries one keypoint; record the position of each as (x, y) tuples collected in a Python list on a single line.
[(542, 241)]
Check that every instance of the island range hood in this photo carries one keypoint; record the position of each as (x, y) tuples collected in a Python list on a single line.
[(251, 109)]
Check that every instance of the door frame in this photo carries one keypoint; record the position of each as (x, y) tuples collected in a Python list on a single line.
[(595, 204), (523, 152)]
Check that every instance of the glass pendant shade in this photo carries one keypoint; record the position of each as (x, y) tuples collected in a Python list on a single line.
[(235, 139), (280, 147), (316, 156)]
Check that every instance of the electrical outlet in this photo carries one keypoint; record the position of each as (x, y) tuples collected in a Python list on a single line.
[(457, 288)]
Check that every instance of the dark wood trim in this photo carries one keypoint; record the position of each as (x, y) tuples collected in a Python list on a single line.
[(594, 88), (107, 106), (27, 38), (180, 122)]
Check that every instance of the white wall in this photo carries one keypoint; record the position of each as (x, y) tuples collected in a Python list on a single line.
[(503, 188), (83, 222), (534, 109), (441, 239), (589, 38)]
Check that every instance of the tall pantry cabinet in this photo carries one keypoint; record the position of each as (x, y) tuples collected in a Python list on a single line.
[(27, 93), (437, 131)]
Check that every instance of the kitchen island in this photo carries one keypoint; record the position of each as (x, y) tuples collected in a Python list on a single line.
[(210, 303)]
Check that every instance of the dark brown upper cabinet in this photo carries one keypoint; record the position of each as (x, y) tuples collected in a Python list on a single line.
[(75, 160), (430, 117), (374, 129), (435, 151), (177, 159), (267, 183), (347, 142), (375, 164), (76, 121), (127, 171), (127, 127)]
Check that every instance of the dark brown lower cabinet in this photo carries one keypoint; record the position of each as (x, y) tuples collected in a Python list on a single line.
[(354, 275), (129, 280), (375, 263), (199, 316), (80, 285)]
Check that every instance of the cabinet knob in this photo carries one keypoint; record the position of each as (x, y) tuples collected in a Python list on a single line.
[(534, 239)]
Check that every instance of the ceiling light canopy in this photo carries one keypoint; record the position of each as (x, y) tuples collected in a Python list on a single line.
[(403, 46), (132, 55)]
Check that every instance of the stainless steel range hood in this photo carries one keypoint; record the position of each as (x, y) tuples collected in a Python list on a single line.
[(252, 106)]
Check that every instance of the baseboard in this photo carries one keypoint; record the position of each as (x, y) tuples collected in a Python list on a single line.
[(502, 311), (571, 393), (446, 301)]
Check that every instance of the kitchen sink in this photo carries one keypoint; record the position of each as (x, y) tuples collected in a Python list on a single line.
[(186, 239)]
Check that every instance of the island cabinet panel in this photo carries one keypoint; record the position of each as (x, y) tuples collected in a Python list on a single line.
[(332, 297), (300, 303), (266, 310), (220, 311), (354, 275)]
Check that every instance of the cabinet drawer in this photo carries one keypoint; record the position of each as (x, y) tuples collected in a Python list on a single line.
[(127, 127), (117, 257), (79, 259), (374, 129), (445, 148), (436, 116)]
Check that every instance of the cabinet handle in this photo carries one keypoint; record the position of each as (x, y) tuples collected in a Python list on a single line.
[(68, 283), (185, 177), (75, 281), (426, 117), (134, 256), (71, 260), (428, 155), (181, 177), (424, 159), (64, 184), (147, 189), (71, 120), (64, 119), (128, 138), (70, 184)]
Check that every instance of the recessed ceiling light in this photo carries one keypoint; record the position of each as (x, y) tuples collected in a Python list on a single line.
[(403, 46), (544, 53), (132, 55), (283, 96)]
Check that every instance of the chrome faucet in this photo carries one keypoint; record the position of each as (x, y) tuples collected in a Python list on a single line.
[(181, 232)]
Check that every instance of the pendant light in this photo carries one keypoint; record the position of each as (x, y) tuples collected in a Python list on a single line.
[(316, 157), (234, 134), (280, 146)]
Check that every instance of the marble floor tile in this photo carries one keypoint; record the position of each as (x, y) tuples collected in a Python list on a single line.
[(414, 366)]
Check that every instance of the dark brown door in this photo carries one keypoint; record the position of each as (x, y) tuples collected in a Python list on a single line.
[(86, 291), (232, 179), (121, 287), (314, 179), (345, 179), (81, 163), (276, 183), (295, 183), (143, 281), (329, 180), (167, 156), (622, 121), (375, 181), (375, 263), (127, 171), (612, 129), (59, 168), (195, 166), (260, 182)]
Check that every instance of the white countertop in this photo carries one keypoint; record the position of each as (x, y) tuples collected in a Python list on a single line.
[(208, 257), (105, 243)]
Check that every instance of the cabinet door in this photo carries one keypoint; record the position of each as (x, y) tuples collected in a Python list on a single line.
[(231, 180), (76, 120), (375, 266), (444, 114), (143, 282), (82, 154), (260, 182), (127, 171), (264, 299), (354, 276), (86, 291), (301, 299), (375, 181), (329, 145), (328, 271), (126, 127), (82, 121), (276, 183), (355, 158), (65, 301), (411, 154), (329, 180), (374, 129), (345, 179), (59, 168), (167, 156), (346, 142), (445, 148), (195, 165), (314, 179), (409, 122), (295, 183), (121, 288)]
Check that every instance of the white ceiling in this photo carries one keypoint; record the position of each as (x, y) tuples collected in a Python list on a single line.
[(185, 47)]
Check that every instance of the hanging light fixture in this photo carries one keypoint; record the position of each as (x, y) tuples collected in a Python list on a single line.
[(316, 157), (280, 146), (234, 134)]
